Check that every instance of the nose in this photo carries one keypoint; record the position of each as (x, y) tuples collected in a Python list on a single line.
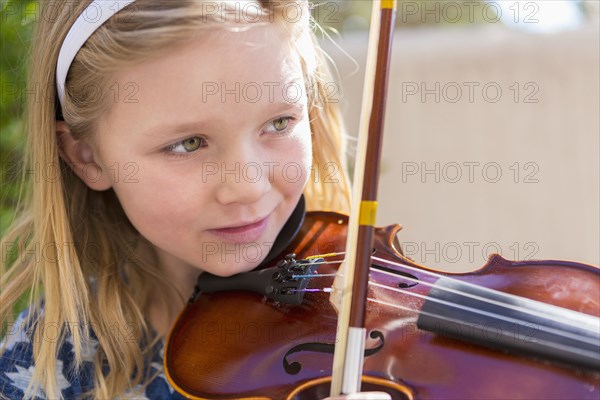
[(243, 179)]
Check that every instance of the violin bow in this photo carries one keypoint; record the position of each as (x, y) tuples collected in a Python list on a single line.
[(349, 350)]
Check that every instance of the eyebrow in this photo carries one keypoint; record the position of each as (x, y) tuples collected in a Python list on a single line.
[(174, 129), (168, 129)]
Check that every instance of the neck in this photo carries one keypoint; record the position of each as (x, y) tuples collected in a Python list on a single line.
[(181, 280)]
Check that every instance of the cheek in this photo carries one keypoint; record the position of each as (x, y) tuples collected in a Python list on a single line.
[(145, 207), (304, 144), (297, 159), (159, 198)]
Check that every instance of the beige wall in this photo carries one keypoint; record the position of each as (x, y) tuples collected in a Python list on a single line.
[(545, 204)]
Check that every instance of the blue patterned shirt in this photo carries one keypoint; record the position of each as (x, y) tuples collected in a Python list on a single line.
[(16, 368)]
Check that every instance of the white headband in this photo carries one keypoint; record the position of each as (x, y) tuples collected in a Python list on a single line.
[(94, 15)]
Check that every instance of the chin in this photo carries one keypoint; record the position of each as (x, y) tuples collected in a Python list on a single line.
[(233, 269)]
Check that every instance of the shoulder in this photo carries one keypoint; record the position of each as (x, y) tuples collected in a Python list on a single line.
[(17, 361), (17, 365)]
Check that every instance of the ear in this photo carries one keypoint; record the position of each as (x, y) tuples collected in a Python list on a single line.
[(80, 157)]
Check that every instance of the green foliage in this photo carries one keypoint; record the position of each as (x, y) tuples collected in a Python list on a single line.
[(16, 21), (350, 15)]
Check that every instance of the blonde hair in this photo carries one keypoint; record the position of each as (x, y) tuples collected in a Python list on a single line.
[(111, 286)]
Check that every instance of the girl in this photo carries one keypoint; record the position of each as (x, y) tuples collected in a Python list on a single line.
[(183, 135)]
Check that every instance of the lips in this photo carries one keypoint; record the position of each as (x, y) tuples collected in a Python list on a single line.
[(243, 233)]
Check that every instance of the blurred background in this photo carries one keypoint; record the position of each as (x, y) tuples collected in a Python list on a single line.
[(492, 125)]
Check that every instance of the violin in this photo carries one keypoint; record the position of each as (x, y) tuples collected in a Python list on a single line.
[(290, 330), (510, 330)]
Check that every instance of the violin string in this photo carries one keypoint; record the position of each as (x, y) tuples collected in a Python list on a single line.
[(544, 328), (312, 276), (524, 310), (459, 306), (326, 290), (460, 293), (501, 332)]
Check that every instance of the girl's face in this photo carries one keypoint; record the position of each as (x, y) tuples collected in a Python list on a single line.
[(206, 141)]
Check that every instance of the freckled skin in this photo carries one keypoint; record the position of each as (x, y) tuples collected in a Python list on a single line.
[(244, 170)]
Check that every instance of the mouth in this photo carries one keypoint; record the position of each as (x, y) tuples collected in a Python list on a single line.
[(243, 232)]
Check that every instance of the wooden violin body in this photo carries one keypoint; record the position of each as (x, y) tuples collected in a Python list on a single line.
[(236, 344)]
